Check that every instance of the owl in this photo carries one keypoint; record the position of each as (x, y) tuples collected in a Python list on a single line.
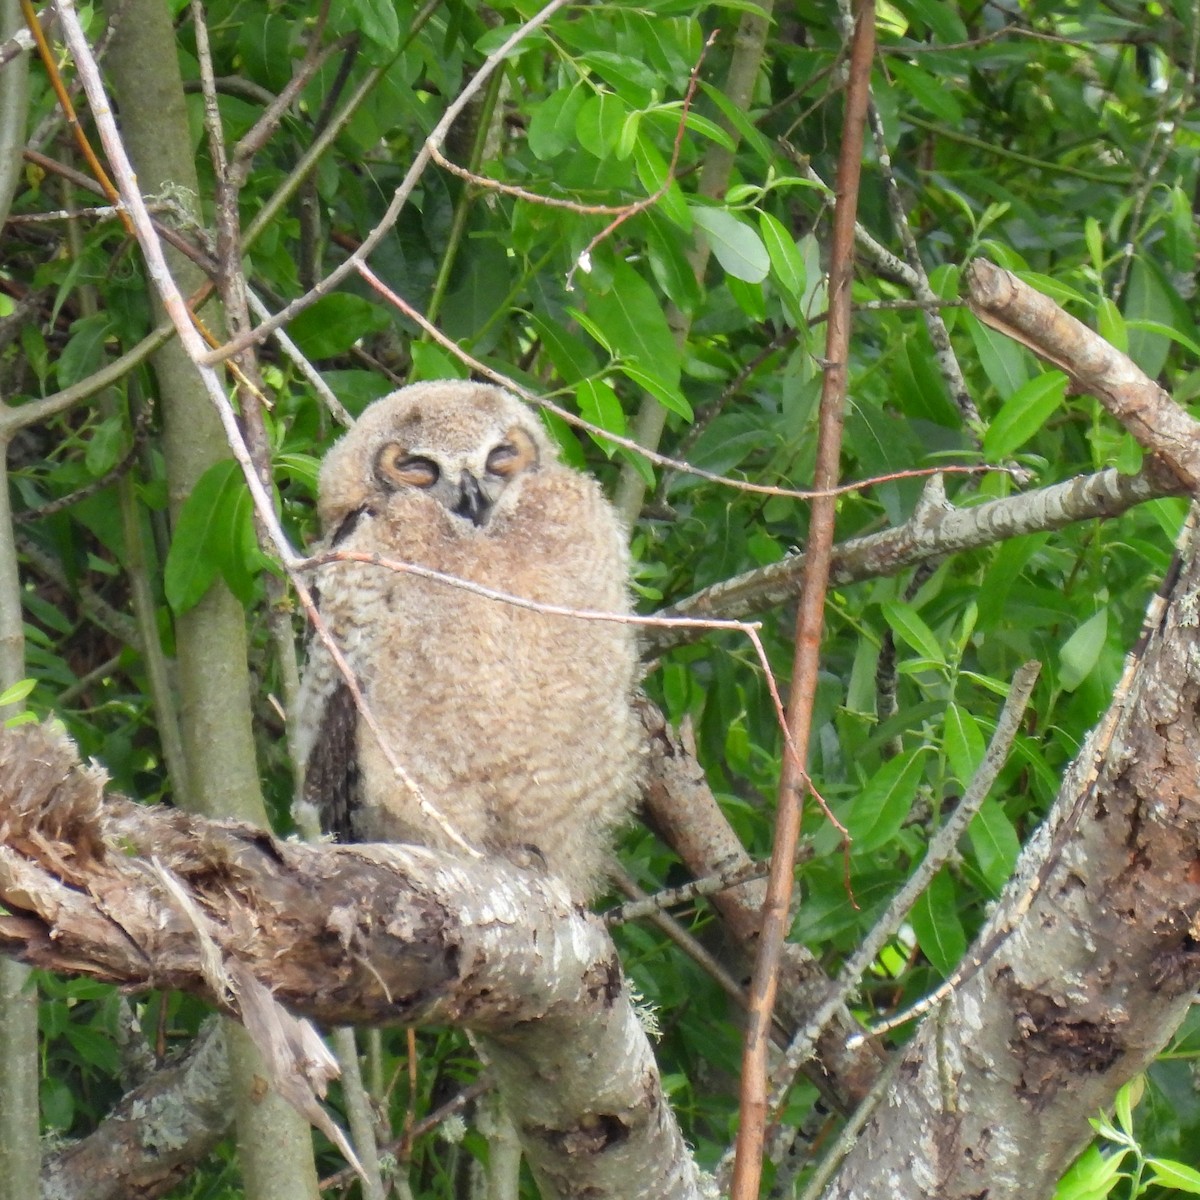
[(517, 725)]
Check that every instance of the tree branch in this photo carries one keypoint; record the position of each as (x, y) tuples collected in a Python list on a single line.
[(935, 529), (149, 897)]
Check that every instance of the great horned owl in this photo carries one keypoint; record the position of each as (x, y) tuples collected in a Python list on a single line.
[(516, 725)]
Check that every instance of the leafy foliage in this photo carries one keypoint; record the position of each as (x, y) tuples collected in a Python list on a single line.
[(1059, 139)]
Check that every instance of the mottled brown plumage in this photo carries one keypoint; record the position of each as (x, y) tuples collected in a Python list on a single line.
[(516, 725)]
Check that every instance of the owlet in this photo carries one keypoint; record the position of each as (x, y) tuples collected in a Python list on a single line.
[(515, 724)]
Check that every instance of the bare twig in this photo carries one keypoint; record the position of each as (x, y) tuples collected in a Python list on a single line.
[(747, 1169), (399, 197), (631, 444), (935, 528), (68, 109), (635, 910)]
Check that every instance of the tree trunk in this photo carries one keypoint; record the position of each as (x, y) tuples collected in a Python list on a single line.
[(1088, 964)]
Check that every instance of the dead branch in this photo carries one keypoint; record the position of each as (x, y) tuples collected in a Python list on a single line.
[(1001, 300), (935, 529)]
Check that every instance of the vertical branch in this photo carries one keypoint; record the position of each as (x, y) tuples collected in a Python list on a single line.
[(810, 619), (14, 107), (20, 1151), (214, 683)]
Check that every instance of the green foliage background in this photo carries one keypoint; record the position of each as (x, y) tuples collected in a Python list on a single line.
[(1059, 139)]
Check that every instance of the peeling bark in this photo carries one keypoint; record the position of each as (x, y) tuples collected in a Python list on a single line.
[(146, 897), (1089, 963)]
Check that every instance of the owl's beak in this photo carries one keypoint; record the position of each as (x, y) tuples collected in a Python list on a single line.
[(472, 503)]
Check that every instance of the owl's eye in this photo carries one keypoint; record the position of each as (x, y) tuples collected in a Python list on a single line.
[(395, 467), (517, 453), (503, 460)]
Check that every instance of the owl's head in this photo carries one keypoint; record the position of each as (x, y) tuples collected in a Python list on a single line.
[(461, 444)]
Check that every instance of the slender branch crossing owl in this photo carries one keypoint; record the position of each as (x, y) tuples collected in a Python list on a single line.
[(515, 724)]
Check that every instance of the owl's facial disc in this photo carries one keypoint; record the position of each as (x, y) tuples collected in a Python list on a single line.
[(469, 487)]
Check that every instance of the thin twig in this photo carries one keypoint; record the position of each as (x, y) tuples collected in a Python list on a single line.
[(583, 261), (661, 460), (68, 109), (399, 197), (635, 910)]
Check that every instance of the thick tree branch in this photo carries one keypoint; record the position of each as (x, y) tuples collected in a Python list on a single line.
[(1087, 966), (155, 1136), (156, 898)]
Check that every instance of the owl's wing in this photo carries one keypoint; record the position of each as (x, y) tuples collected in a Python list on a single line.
[(331, 772)]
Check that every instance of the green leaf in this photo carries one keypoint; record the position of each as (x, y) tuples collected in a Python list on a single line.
[(1111, 325), (995, 843), (907, 624), (431, 361), (670, 398), (572, 358), (935, 921), (652, 170), (1094, 240), (1081, 651), (930, 92), (334, 323), (878, 811), (552, 124), (377, 20), (629, 136), (1148, 299), (631, 320), (941, 19), (1127, 1099), (210, 538), (1023, 414), (16, 692), (599, 123), (749, 297), (304, 468), (599, 404), (85, 351), (963, 743), (58, 1104), (105, 446), (786, 262), (1171, 1174), (1092, 1176), (1167, 331), (735, 243), (1004, 362)]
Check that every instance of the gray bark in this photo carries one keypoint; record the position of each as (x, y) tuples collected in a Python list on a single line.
[(346, 934), (1087, 966)]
